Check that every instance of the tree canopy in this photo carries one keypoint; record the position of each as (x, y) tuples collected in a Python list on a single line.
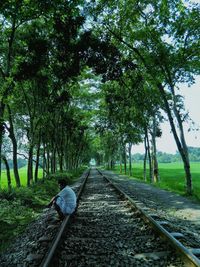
[(82, 80)]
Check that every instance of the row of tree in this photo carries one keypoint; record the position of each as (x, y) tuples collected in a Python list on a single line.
[(158, 43), (44, 111), (68, 68), (163, 157)]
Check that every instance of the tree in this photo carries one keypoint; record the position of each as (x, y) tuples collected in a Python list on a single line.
[(158, 40), (14, 15), (11, 135)]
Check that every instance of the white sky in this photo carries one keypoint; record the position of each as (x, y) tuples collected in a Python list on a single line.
[(192, 103)]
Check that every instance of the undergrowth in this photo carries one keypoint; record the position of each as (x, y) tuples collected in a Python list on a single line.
[(22, 205)]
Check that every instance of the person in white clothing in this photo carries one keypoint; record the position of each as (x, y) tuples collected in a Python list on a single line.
[(65, 201)]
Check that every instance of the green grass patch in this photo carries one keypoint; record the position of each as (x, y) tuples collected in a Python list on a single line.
[(22, 174), (172, 176), (21, 206)]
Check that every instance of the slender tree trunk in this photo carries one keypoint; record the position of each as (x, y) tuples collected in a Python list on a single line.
[(145, 159), (14, 143), (8, 173), (2, 109), (180, 146), (54, 160), (125, 168), (180, 121), (15, 165), (44, 162), (156, 177), (37, 160), (130, 160), (60, 159), (48, 161), (61, 151), (120, 162), (30, 166), (110, 162), (149, 157), (51, 161)]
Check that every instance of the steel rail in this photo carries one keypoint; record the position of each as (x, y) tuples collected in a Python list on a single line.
[(56, 241), (189, 258)]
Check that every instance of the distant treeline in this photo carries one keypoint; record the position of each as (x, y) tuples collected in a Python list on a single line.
[(21, 163), (162, 157)]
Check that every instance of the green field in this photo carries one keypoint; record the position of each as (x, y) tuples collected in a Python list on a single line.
[(22, 174), (172, 176)]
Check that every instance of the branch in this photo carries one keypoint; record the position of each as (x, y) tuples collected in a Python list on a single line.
[(6, 126), (20, 154), (134, 49)]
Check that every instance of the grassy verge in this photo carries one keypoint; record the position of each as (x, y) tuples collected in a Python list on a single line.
[(23, 205), (22, 174), (172, 177)]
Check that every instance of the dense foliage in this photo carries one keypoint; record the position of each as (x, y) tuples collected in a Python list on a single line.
[(44, 107), (83, 80), (159, 40)]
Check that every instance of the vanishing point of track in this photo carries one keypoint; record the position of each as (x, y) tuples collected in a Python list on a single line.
[(110, 229)]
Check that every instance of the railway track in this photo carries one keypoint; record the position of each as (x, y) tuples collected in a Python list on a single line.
[(110, 229)]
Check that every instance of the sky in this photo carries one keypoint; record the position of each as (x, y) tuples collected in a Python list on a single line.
[(192, 104)]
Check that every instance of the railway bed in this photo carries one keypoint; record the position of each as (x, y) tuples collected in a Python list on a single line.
[(108, 229)]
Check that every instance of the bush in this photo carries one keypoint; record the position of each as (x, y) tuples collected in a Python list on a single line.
[(20, 206)]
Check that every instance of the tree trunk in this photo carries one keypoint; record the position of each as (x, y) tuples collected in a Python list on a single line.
[(51, 162), (2, 109), (30, 166), (48, 161), (111, 164), (156, 177), (149, 157), (15, 165), (44, 162), (145, 159), (7, 172), (180, 146), (130, 160), (14, 143), (60, 159), (54, 161), (125, 169), (37, 160), (120, 162)]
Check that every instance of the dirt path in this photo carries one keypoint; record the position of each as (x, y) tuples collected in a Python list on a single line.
[(174, 205)]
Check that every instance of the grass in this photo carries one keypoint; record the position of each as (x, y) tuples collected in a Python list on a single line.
[(22, 174), (21, 206), (172, 176)]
